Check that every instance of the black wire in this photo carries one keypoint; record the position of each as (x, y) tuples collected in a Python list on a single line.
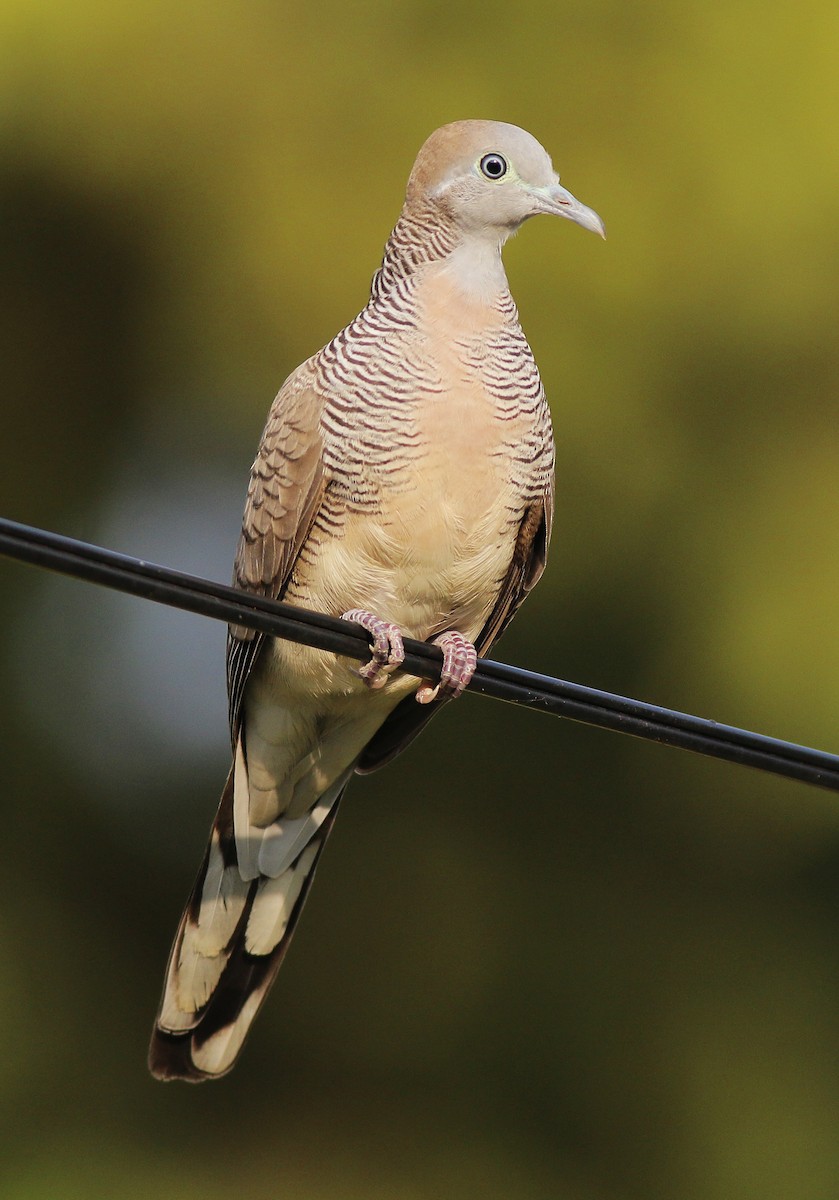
[(541, 692)]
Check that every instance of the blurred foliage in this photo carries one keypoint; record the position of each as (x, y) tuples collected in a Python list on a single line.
[(540, 960)]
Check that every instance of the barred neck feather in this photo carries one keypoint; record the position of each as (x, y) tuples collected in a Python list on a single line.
[(423, 234), (429, 235)]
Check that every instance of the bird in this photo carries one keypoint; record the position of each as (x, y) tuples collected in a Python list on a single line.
[(404, 480)]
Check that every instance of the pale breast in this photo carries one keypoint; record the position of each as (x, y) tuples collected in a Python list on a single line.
[(436, 439)]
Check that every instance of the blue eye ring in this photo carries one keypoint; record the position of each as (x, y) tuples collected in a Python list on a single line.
[(493, 166)]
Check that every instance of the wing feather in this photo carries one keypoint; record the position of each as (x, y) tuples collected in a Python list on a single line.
[(285, 490)]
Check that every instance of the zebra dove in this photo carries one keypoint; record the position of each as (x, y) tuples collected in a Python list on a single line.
[(405, 481)]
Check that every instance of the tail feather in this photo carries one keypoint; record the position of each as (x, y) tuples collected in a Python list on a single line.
[(232, 938)]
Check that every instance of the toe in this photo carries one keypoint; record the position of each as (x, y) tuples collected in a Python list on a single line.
[(459, 661), (388, 651)]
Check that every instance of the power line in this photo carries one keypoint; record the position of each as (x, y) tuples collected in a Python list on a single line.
[(541, 692)]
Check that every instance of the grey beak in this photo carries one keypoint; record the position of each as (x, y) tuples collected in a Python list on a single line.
[(560, 202)]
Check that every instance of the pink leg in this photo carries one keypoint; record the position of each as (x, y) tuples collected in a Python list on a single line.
[(388, 651), (459, 659)]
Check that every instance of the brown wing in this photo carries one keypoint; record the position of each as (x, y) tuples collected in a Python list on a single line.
[(286, 485), (526, 566)]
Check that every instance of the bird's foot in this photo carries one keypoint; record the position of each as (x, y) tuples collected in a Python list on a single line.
[(459, 660), (388, 651)]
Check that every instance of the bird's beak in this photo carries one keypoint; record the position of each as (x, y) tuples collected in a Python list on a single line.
[(558, 201)]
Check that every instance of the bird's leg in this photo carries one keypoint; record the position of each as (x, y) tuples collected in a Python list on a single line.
[(459, 659), (388, 651)]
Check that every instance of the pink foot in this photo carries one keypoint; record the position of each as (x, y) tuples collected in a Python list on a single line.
[(459, 659), (388, 651)]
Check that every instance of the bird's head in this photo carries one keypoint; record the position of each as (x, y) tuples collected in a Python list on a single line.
[(489, 177)]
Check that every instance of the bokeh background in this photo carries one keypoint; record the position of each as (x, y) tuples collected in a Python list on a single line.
[(540, 961)]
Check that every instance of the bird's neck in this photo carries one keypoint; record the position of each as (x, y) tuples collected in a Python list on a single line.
[(427, 240), (474, 269)]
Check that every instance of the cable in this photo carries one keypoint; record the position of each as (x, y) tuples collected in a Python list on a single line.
[(541, 692)]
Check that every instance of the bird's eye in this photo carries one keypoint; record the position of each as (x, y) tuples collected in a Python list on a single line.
[(493, 166)]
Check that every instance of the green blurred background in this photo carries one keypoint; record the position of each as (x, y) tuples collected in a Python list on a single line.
[(540, 961)]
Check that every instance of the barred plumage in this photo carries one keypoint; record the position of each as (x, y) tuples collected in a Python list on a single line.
[(405, 478)]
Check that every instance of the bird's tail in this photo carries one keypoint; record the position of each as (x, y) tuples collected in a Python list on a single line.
[(229, 946)]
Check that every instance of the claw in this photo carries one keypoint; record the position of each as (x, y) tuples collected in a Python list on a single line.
[(388, 652), (459, 660)]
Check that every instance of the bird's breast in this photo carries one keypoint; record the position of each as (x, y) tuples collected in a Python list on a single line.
[(436, 440)]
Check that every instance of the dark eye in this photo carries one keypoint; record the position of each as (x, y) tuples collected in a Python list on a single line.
[(494, 166)]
